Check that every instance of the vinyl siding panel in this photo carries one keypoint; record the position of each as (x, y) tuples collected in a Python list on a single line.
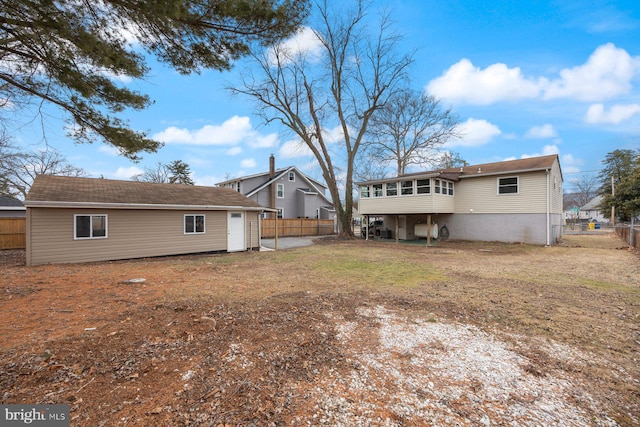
[(131, 234), (252, 230), (480, 195), (431, 203)]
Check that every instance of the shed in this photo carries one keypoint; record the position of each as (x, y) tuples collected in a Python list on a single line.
[(73, 219)]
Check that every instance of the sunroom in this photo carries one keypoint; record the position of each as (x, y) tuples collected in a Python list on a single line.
[(408, 205)]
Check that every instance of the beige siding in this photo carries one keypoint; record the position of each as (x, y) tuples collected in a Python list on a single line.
[(480, 195), (556, 189), (252, 229), (131, 234), (430, 203)]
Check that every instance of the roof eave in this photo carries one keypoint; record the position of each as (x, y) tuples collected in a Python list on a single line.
[(146, 206)]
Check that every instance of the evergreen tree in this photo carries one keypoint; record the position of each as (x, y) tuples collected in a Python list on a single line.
[(68, 52)]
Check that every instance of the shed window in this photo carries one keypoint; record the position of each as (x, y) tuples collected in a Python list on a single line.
[(364, 191), (392, 189), (508, 185), (194, 224), (423, 186), (406, 188), (377, 190), (280, 191), (90, 227)]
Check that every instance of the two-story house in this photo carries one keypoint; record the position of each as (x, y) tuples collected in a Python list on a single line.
[(510, 201), (292, 193)]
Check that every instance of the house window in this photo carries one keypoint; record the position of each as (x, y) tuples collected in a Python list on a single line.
[(377, 190), (392, 189), (406, 188), (90, 227), (280, 191), (508, 185), (292, 176), (280, 213), (451, 188), (437, 186), (364, 191), (193, 224), (237, 185), (423, 186)]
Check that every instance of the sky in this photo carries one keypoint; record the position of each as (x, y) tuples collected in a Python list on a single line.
[(525, 79)]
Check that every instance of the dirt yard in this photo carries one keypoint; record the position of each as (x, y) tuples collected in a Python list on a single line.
[(334, 334)]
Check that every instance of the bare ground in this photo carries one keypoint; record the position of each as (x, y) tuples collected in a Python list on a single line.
[(339, 333)]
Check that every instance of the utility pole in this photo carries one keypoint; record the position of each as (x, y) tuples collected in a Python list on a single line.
[(613, 208)]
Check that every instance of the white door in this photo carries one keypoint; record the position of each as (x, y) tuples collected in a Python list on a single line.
[(235, 232)]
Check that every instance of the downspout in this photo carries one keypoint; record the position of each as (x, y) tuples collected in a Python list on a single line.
[(548, 209)]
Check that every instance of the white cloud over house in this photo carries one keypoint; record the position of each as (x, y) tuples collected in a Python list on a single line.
[(127, 173), (541, 132), (597, 114), (607, 73), (233, 131), (474, 133), (248, 163)]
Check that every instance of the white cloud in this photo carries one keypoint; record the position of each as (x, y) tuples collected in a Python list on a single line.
[(109, 149), (596, 114), (294, 148), (304, 44), (541, 132), (127, 173), (607, 73), (234, 151), (474, 133), (465, 83), (248, 163), (263, 141), (230, 132)]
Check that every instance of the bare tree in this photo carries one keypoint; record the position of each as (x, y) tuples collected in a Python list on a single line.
[(410, 129), (176, 172), (360, 70), (587, 188), (18, 169)]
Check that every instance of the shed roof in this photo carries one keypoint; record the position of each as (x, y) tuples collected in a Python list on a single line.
[(49, 189)]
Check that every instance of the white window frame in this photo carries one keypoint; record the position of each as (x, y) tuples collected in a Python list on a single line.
[(195, 231), (365, 191), (280, 213), (412, 188), (292, 176), (91, 236), (420, 187), (377, 190), (509, 185), (392, 185), (280, 191)]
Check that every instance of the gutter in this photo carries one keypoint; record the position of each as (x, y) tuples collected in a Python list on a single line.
[(548, 208), (101, 205)]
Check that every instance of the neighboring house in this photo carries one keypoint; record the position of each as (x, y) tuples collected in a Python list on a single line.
[(85, 219), (591, 211), (11, 208), (510, 201), (289, 191)]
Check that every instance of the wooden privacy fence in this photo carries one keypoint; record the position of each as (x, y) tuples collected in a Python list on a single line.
[(624, 230), (297, 227), (13, 233)]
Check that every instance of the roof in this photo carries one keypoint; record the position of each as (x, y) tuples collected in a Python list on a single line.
[(10, 202), (531, 164), (594, 204), (277, 173), (48, 190)]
